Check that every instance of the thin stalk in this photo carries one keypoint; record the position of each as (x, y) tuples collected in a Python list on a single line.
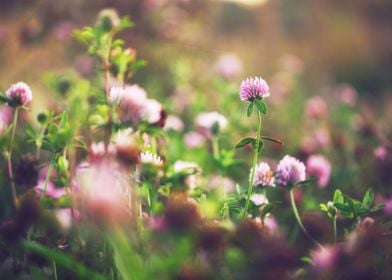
[(46, 181), (9, 157), (54, 270), (334, 230), (298, 218), (255, 157), (215, 147)]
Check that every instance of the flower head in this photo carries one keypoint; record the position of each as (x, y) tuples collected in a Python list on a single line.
[(290, 171), (194, 139), (320, 167), (263, 175), (259, 199), (150, 158), (254, 88), (19, 94), (151, 112)]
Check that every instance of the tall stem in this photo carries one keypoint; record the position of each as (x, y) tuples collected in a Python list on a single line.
[(255, 157), (334, 230), (298, 218), (215, 147), (46, 181), (9, 157)]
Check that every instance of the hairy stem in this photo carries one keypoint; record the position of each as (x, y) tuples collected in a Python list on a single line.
[(298, 218), (215, 147), (255, 157), (46, 181), (334, 230), (9, 157)]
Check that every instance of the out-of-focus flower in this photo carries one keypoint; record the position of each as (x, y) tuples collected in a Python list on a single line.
[(174, 123), (97, 151), (126, 147), (191, 167), (388, 207), (268, 223), (380, 153), (324, 258), (63, 30), (108, 19), (102, 190), (5, 117), (320, 167), (150, 158), (225, 183), (259, 199), (292, 64), (19, 94), (66, 216), (316, 107), (211, 122), (347, 94), (194, 139), (318, 139), (116, 93), (263, 175), (84, 64), (51, 190), (228, 65), (254, 88), (151, 111), (290, 171)]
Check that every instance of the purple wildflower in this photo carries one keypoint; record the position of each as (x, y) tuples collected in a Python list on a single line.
[(19, 94), (254, 88), (290, 171), (320, 167), (263, 175)]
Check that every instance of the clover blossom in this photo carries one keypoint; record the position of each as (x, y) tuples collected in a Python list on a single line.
[(19, 94), (254, 88), (290, 171)]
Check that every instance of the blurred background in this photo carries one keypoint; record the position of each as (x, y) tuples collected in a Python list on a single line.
[(199, 51)]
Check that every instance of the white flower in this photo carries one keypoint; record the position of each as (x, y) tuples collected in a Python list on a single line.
[(211, 121), (150, 158)]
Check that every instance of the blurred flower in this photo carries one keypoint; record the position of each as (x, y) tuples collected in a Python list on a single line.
[(19, 94), (97, 151), (65, 217), (150, 158), (292, 64), (388, 207), (318, 139), (324, 258), (263, 175), (84, 64), (102, 188), (210, 123), (254, 88), (320, 167), (268, 223), (225, 183), (194, 139), (5, 117), (116, 93), (181, 214), (126, 147), (51, 190), (347, 94), (188, 167), (62, 31), (380, 153), (316, 107), (228, 65), (108, 19), (290, 171), (259, 199), (151, 111), (174, 123)]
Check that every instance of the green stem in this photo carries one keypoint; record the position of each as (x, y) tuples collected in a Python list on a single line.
[(9, 157), (298, 218), (334, 230), (54, 270), (215, 147), (46, 181), (255, 157)]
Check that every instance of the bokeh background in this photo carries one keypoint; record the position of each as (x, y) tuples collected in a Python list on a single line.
[(198, 52)]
